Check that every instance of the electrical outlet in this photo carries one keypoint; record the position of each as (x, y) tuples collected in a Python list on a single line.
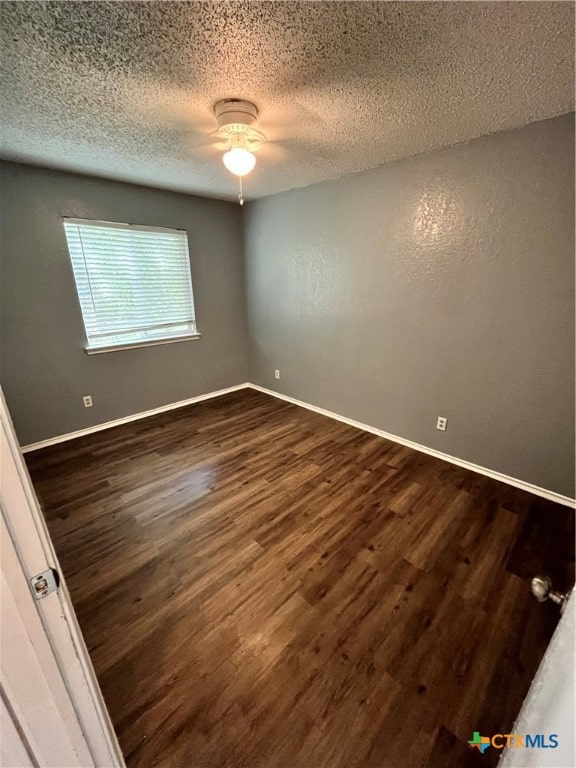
[(441, 423), (87, 400), (276, 374)]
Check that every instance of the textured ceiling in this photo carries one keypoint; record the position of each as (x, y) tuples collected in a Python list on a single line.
[(126, 89)]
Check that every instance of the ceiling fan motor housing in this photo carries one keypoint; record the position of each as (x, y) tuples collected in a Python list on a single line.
[(235, 116)]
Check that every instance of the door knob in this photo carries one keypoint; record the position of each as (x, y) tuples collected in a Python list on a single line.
[(542, 591)]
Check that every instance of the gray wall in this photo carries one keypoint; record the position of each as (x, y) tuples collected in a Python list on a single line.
[(44, 369), (439, 285)]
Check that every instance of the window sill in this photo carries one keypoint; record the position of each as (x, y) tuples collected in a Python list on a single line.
[(138, 344)]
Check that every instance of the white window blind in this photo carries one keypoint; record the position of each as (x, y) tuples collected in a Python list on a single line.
[(133, 282)]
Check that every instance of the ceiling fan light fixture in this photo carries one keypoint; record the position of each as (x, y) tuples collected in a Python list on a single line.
[(235, 119)]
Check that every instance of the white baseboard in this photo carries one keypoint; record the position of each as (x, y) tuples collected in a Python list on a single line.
[(523, 485), (127, 419)]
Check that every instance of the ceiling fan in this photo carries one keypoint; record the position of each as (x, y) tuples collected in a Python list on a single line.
[(236, 119), (235, 136)]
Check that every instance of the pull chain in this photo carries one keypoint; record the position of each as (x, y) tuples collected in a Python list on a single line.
[(240, 196)]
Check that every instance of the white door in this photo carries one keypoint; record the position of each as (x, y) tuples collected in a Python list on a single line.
[(549, 706), (52, 711)]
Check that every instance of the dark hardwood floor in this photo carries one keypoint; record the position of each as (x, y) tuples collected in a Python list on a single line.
[(262, 587)]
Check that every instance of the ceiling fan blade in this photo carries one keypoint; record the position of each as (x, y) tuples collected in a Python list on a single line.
[(292, 147), (273, 151), (287, 120)]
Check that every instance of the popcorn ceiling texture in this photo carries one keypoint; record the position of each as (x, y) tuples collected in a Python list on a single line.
[(126, 89)]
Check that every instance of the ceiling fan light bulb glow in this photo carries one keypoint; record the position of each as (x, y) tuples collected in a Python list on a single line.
[(239, 161)]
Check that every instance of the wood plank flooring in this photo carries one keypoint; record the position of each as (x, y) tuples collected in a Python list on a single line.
[(263, 587)]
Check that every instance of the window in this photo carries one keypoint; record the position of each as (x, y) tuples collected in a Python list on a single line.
[(133, 283)]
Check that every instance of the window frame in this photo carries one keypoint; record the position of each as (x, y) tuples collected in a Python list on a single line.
[(135, 344)]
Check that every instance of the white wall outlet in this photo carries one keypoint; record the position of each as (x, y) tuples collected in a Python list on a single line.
[(441, 423), (87, 400), (276, 374)]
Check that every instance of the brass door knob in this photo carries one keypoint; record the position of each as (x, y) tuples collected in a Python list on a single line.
[(542, 591)]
